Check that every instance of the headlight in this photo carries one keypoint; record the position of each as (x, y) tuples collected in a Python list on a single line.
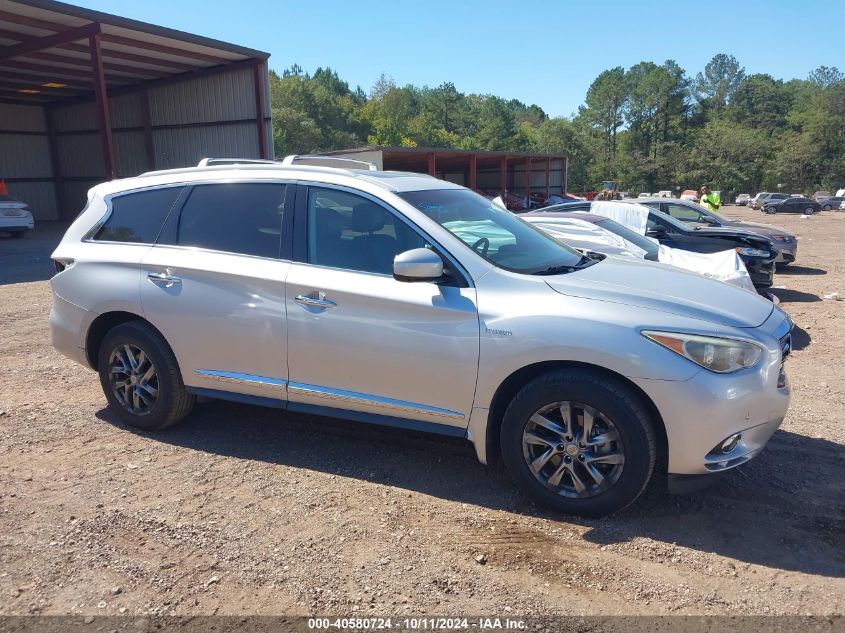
[(720, 355), (752, 252), (783, 238)]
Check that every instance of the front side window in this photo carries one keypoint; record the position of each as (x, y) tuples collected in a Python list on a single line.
[(349, 231), (242, 218), (498, 236), (139, 216), (684, 213)]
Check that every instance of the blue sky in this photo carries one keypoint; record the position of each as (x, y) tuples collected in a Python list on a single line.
[(544, 52)]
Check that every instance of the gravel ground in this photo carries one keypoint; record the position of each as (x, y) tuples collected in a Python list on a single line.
[(242, 510)]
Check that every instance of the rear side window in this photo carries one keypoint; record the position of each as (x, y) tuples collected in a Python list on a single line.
[(242, 218), (138, 217)]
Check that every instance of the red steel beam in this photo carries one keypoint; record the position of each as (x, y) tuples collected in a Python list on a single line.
[(110, 53), (152, 46), (49, 41), (432, 164), (102, 100), (122, 69), (114, 39), (35, 23), (47, 70)]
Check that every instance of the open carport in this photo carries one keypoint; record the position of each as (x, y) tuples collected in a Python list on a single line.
[(88, 96)]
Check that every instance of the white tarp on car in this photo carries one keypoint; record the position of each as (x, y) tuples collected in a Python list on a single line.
[(725, 266), (586, 236), (630, 214)]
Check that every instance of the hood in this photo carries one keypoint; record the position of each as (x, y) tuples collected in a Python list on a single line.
[(760, 229), (732, 232), (665, 288)]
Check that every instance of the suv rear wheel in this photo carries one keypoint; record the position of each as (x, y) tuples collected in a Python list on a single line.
[(141, 378), (579, 442)]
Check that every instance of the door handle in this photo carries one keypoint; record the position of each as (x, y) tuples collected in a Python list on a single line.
[(164, 280), (319, 302)]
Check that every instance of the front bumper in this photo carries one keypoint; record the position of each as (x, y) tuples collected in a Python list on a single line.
[(702, 412), (787, 253), (762, 272)]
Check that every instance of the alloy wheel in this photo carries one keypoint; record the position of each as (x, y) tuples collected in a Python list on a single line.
[(133, 379), (573, 449)]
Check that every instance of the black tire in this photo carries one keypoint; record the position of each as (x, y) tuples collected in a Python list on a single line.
[(172, 402), (826, 207), (809, 211), (613, 398)]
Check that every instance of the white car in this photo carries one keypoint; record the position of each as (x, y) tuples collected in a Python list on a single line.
[(403, 300), (15, 218)]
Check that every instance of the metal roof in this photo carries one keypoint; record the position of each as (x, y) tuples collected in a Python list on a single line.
[(46, 52)]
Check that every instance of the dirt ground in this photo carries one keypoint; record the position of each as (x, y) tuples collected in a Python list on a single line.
[(243, 510)]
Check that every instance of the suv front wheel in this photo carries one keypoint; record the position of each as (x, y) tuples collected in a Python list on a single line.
[(579, 442), (141, 378)]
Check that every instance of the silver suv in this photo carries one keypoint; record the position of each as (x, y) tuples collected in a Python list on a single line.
[(402, 300)]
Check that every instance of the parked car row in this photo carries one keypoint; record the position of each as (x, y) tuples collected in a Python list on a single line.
[(792, 203), (687, 226), (402, 300)]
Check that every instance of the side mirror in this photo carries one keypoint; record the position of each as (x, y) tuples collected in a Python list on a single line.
[(418, 264), (657, 232)]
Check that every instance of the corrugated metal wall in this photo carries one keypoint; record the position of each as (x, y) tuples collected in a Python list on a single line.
[(208, 116), (25, 154), (538, 176)]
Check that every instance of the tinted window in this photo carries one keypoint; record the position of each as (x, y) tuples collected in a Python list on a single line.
[(243, 218), (348, 231), (137, 217)]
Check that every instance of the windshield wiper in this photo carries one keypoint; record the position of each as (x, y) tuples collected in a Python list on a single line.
[(560, 269)]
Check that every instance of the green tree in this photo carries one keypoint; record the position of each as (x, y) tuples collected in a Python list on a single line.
[(605, 107), (760, 101), (720, 79), (825, 76)]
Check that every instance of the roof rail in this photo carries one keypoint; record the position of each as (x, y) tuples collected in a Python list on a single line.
[(328, 161), (211, 162)]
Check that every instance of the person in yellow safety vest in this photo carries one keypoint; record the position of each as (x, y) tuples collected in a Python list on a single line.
[(709, 199)]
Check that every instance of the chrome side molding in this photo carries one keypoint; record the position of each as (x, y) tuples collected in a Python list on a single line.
[(243, 379), (297, 388), (370, 400)]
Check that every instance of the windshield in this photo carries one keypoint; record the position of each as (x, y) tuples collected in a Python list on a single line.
[(496, 235), (641, 241)]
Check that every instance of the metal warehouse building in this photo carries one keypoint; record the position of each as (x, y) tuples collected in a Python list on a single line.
[(87, 96), (490, 172)]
